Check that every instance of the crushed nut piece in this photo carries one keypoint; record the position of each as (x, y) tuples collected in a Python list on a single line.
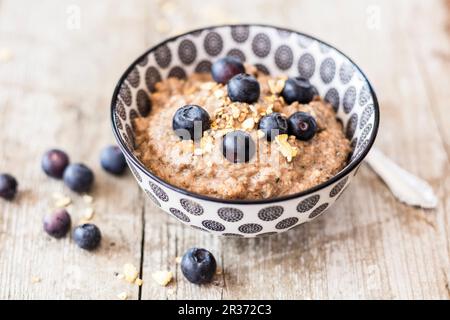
[(178, 260), (250, 68), (208, 85), (88, 213), (207, 144), (63, 202), (220, 133), (123, 295), (162, 277), (57, 195), (130, 272), (35, 280), (271, 84), (285, 148), (83, 221), (120, 276), (235, 112)]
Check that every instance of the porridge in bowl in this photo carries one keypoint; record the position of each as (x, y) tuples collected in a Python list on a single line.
[(238, 133)]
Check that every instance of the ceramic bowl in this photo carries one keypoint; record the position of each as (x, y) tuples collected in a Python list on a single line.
[(273, 50)]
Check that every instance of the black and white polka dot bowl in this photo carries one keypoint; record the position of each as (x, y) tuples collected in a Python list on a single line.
[(276, 51)]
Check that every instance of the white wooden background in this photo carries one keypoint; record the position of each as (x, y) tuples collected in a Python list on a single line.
[(55, 87)]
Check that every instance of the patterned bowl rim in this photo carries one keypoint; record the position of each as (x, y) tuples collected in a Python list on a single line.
[(347, 169)]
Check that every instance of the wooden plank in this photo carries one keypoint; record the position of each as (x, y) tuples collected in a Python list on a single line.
[(56, 92)]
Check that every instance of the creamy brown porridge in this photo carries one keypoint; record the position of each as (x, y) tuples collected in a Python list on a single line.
[(283, 166)]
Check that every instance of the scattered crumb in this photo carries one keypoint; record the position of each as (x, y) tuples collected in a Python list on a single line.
[(35, 280), (216, 283), (5, 55), (123, 296), (168, 7), (260, 134), (57, 195), (162, 277), (138, 282), (170, 291), (219, 271), (88, 199), (178, 260), (248, 124), (130, 272), (88, 213), (63, 202), (285, 148)]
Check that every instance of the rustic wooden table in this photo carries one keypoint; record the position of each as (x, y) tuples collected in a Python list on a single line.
[(59, 62)]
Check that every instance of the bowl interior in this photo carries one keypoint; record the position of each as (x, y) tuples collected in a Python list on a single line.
[(272, 50)]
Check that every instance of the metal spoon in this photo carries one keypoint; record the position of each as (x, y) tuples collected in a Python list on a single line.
[(405, 186)]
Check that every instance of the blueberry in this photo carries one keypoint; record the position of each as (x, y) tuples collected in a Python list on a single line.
[(57, 224), (8, 186), (87, 236), (198, 265), (302, 125), (113, 160), (238, 146), (243, 88), (272, 125), (54, 162), (190, 121), (224, 69), (298, 89), (78, 177)]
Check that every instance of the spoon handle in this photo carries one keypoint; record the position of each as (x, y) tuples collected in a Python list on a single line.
[(405, 186)]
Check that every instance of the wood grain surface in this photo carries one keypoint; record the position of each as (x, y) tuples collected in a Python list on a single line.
[(56, 81)]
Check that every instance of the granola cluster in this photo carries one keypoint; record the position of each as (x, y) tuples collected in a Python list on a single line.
[(228, 116)]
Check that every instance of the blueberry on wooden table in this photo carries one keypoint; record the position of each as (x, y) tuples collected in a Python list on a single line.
[(54, 162), (190, 121), (8, 186), (302, 125), (243, 88), (113, 160), (238, 146), (298, 89), (225, 68), (87, 236), (198, 265), (78, 177), (272, 125), (57, 224)]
